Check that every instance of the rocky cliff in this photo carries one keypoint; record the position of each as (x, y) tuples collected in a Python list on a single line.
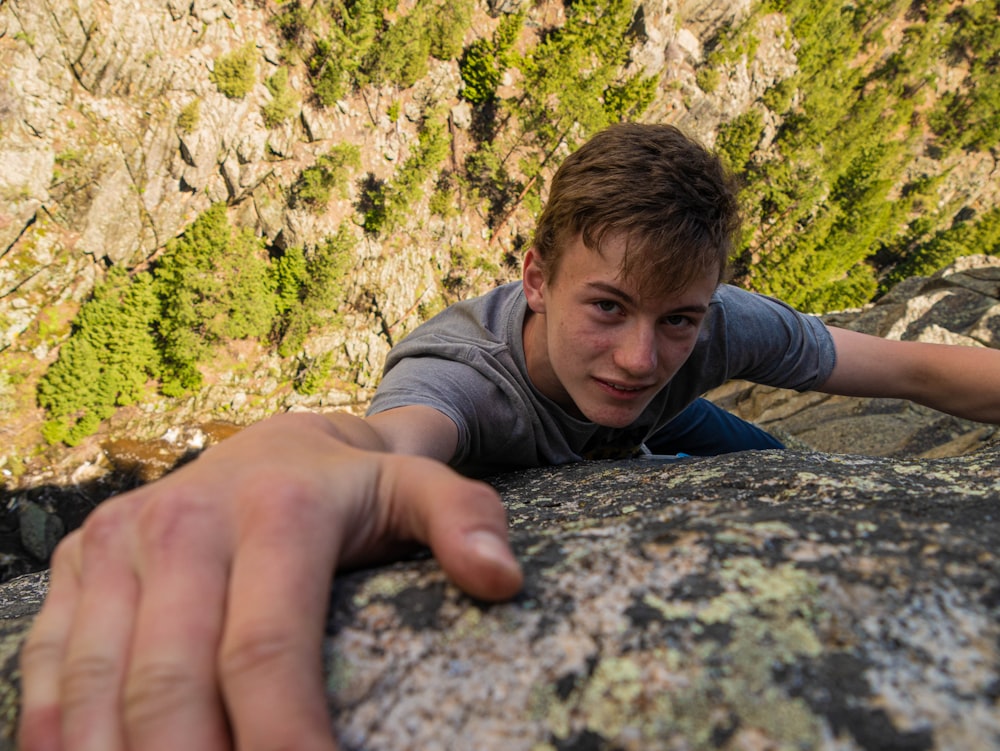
[(757, 600), (117, 131)]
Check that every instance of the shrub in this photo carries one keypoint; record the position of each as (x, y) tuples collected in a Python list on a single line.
[(284, 101), (235, 73), (399, 56), (446, 28), (189, 116), (327, 73), (738, 138), (316, 183), (388, 202), (485, 60), (707, 79)]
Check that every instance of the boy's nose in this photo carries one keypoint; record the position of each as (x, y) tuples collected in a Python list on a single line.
[(636, 352)]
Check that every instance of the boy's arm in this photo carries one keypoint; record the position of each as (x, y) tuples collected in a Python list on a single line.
[(962, 381), (189, 613)]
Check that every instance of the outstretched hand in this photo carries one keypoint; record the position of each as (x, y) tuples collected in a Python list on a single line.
[(189, 613)]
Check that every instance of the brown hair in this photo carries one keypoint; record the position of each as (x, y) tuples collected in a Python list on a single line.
[(671, 198)]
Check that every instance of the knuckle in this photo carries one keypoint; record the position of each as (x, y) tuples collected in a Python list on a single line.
[(283, 505), (86, 678), (103, 525), (254, 651), (154, 690), (172, 518), (38, 651)]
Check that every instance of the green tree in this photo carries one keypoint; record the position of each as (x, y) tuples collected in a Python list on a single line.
[(483, 64), (107, 360), (316, 184), (738, 138), (321, 294), (446, 27), (390, 201), (213, 283)]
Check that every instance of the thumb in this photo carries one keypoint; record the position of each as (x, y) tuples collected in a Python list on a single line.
[(465, 525)]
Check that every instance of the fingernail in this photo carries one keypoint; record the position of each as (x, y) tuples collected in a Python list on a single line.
[(490, 547)]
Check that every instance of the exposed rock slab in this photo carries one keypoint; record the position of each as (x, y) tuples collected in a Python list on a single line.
[(757, 600)]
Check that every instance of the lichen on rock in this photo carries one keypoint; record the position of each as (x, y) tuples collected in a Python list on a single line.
[(787, 600)]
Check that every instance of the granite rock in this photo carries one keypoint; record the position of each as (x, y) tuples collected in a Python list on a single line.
[(791, 600)]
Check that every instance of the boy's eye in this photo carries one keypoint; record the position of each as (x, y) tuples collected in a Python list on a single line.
[(677, 320), (607, 306)]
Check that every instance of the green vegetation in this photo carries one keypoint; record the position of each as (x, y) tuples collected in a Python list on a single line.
[(284, 101), (316, 184), (830, 222), (235, 73), (212, 284), (189, 116), (387, 202), (825, 207), (312, 373), (351, 43), (964, 238), (485, 60), (569, 74), (321, 292), (106, 361), (969, 117), (574, 85), (707, 79), (738, 139)]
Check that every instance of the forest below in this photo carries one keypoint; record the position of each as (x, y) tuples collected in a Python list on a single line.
[(848, 159)]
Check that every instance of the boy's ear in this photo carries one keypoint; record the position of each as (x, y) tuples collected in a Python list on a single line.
[(534, 281)]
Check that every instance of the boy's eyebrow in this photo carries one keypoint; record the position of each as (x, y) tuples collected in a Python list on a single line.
[(610, 289)]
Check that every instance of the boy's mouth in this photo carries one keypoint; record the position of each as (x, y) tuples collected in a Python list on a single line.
[(622, 388)]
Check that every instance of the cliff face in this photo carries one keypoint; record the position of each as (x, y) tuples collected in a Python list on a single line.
[(115, 134), (758, 600)]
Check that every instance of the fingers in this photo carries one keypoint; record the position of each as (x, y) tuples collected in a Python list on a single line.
[(41, 656), (171, 697), (190, 613), (463, 521), (97, 648), (271, 656)]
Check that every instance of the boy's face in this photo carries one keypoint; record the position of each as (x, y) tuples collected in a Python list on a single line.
[(595, 346)]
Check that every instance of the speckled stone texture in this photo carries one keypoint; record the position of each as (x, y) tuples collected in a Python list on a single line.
[(764, 600)]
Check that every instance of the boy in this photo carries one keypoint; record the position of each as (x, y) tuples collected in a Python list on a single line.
[(170, 621)]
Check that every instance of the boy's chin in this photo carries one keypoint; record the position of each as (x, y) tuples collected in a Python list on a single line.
[(618, 419)]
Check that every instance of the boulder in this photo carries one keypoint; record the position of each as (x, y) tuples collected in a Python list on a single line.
[(758, 600)]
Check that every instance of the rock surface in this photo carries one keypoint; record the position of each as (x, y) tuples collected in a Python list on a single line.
[(758, 600)]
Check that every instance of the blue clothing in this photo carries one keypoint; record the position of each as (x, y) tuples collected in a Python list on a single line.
[(704, 429)]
